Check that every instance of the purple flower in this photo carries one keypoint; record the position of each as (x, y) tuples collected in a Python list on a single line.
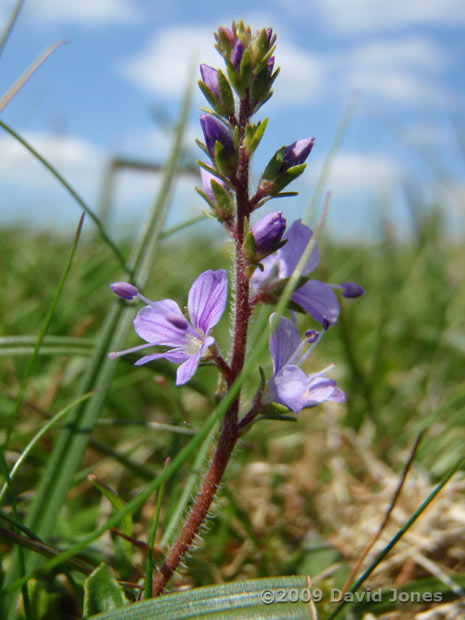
[(296, 153), (214, 131), (314, 296), (161, 323), (124, 290), (351, 290), (236, 54), (268, 231), (210, 79), (207, 178), (290, 385)]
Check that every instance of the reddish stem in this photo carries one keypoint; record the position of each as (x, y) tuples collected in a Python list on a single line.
[(230, 429)]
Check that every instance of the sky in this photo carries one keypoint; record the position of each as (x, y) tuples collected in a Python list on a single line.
[(114, 90)]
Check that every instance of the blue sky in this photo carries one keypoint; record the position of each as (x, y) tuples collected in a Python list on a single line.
[(95, 98)]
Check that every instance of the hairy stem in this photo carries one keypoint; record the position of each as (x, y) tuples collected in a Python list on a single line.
[(230, 429)]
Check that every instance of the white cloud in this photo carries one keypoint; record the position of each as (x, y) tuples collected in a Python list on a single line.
[(357, 16), (355, 172), (398, 70), (412, 52), (425, 134), (165, 64), (87, 12), (77, 159)]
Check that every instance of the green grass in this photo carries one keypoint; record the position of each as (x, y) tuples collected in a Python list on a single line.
[(399, 353)]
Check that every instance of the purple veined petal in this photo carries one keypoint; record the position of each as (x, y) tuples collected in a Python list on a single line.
[(298, 237), (318, 300), (187, 370), (162, 323), (288, 388), (319, 389), (338, 395), (176, 356), (207, 299), (284, 341), (210, 79)]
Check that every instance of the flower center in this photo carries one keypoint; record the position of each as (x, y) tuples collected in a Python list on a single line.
[(193, 344)]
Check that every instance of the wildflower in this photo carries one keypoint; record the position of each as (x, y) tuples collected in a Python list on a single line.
[(296, 153), (267, 232), (161, 323), (313, 296), (210, 79), (290, 385), (214, 132)]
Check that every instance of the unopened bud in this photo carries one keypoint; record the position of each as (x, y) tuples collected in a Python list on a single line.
[(124, 290)]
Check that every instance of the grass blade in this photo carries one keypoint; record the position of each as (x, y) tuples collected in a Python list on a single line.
[(45, 325)]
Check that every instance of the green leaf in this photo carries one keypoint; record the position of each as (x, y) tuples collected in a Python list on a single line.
[(102, 592), (287, 177), (230, 601), (226, 93), (212, 100), (222, 196), (254, 134), (245, 70), (274, 165)]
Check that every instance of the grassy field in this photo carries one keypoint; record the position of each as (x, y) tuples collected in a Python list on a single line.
[(299, 497)]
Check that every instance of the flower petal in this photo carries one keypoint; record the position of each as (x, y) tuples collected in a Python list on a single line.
[(321, 388), (288, 388), (284, 341), (176, 356), (187, 369), (207, 299), (318, 300), (162, 323), (298, 237)]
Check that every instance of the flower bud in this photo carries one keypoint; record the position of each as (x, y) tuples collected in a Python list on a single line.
[(210, 79), (124, 290), (351, 290), (236, 54), (267, 233), (218, 196), (214, 131), (296, 153)]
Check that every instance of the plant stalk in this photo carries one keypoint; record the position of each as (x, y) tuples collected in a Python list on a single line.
[(230, 429)]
